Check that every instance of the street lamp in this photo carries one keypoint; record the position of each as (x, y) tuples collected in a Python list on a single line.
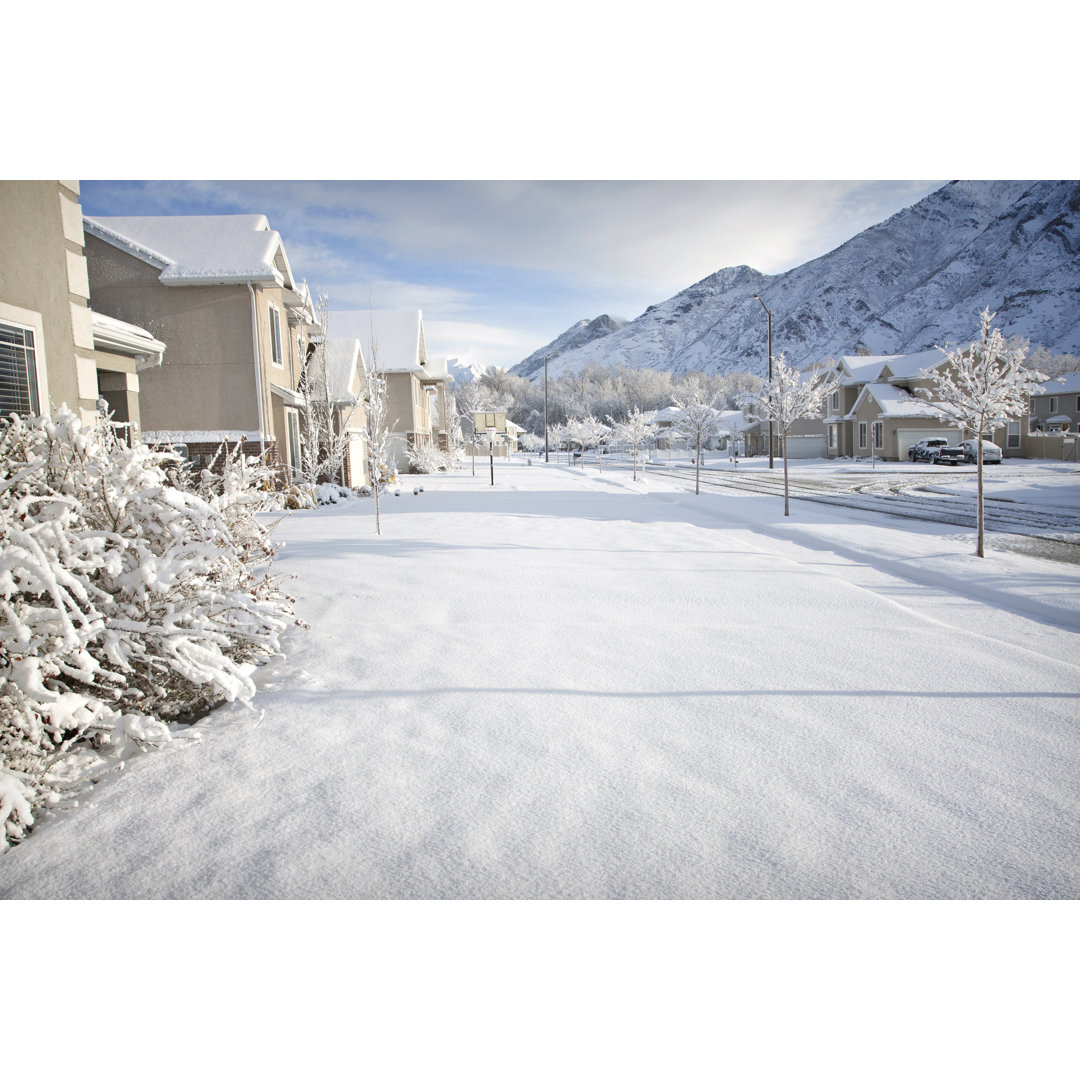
[(769, 313), (491, 452), (546, 458)]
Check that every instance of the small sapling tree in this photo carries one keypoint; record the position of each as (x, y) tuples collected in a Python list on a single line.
[(697, 421), (788, 397), (982, 387)]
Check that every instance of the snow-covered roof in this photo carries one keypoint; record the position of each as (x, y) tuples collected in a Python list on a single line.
[(115, 335), (201, 249), (394, 341), (1061, 384), (1058, 420), (909, 365), (342, 357), (894, 402), (853, 370)]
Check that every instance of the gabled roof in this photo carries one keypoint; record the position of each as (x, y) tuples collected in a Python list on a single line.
[(342, 357), (201, 250), (908, 366), (854, 370), (394, 341), (894, 402), (1061, 384)]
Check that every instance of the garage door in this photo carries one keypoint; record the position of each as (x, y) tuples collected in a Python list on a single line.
[(908, 437), (806, 446)]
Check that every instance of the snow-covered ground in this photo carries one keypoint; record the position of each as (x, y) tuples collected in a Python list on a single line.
[(569, 685)]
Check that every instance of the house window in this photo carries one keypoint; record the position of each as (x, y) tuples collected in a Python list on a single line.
[(832, 436), (879, 435), (18, 371), (1053, 405), (275, 336), (1012, 435), (862, 434), (836, 400), (294, 442)]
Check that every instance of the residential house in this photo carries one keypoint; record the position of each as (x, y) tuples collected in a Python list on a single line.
[(417, 384), (1053, 425), (220, 293), (53, 348), (872, 407)]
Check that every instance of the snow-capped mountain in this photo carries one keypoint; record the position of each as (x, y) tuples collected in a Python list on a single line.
[(914, 281), (580, 334), (463, 372)]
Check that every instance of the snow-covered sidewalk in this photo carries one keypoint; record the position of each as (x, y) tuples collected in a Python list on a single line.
[(569, 685)]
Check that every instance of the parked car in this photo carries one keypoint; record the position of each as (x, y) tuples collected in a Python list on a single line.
[(936, 451), (991, 452)]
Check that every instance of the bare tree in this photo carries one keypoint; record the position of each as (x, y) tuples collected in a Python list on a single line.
[(788, 397), (982, 387)]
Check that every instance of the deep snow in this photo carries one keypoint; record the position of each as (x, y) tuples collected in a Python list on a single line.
[(573, 686)]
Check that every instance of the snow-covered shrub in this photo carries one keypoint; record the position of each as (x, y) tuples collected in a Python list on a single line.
[(425, 457), (126, 602)]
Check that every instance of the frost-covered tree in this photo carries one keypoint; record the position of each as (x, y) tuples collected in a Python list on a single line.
[(376, 430), (788, 397), (328, 411), (575, 433), (697, 421), (982, 387), (556, 437), (594, 432), (126, 602), (635, 431)]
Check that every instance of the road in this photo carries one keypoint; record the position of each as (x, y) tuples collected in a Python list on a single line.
[(1048, 532)]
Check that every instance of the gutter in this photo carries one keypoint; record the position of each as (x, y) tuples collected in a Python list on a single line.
[(258, 371)]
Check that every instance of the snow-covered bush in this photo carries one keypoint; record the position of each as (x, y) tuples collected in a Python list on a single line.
[(426, 457), (126, 602)]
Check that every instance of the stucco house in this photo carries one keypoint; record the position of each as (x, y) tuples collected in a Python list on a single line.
[(53, 348), (1053, 424), (220, 293), (872, 407), (417, 385)]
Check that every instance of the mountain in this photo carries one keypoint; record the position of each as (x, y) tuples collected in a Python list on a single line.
[(580, 334), (463, 372), (914, 281)]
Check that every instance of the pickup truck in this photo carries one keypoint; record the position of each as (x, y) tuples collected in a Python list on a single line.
[(936, 451)]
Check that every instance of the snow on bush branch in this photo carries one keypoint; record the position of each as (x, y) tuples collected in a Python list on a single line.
[(130, 597)]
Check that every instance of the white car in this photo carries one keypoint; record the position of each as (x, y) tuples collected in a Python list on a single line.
[(991, 452)]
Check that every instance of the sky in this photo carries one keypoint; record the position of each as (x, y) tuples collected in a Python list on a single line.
[(500, 268)]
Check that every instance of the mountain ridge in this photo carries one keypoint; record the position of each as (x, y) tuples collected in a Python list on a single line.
[(916, 280)]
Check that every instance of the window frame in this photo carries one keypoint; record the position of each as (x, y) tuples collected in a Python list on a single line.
[(878, 434), (276, 354), (1010, 435), (862, 435), (23, 320)]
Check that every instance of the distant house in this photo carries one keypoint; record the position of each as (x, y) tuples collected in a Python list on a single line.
[(220, 293), (1053, 424), (53, 348), (872, 407), (417, 385)]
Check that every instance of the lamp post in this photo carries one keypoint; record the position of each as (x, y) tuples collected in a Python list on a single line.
[(769, 313), (491, 452), (546, 458)]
